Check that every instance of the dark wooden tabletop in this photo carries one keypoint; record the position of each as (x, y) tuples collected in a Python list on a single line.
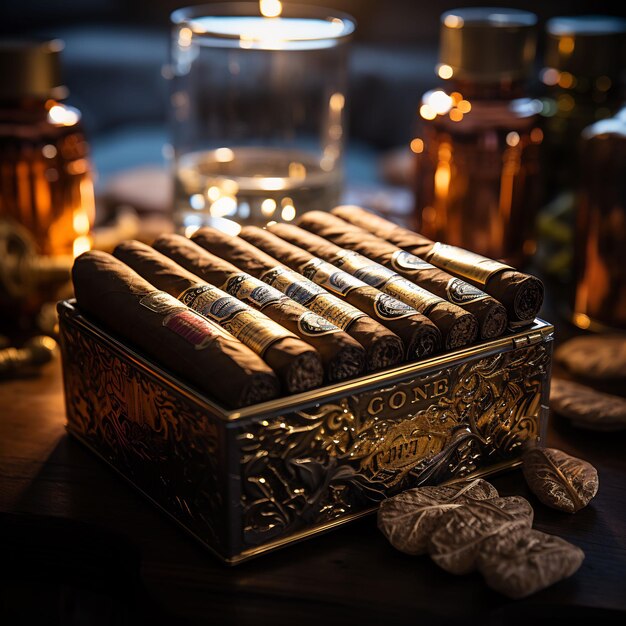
[(79, 546)]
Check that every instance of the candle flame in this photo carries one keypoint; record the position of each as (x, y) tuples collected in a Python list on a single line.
[(270, 8)]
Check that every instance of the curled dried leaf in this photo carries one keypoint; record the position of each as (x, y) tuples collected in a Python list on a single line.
[(586, 407), (408, 519), (458, 539), (559, 480), (596, 357), (520, 563)]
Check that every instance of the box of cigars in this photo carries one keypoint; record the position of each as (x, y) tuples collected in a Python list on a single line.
[(265, 387)]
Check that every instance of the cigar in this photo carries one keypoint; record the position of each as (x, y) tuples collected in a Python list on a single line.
[(382, 347), (342, 356), (489, 313), (521, 294), (296, 363), (183, 341), (419, 335), (457, 327)]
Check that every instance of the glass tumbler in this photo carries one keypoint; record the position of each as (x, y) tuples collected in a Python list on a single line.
[(258, 105)]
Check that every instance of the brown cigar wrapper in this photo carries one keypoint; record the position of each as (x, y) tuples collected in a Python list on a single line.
[(457, 327), (224, 368), (296, 363), (490, 314), (521, 294), (342, 356), (382, 347), (419, 335)]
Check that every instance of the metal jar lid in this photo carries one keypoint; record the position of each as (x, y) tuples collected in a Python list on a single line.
[(30, 68), (486, 44), (586, 45)]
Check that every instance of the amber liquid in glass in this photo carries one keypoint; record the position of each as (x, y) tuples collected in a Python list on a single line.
[(600, 253), (477, 172), (46, 198), (45, 177)]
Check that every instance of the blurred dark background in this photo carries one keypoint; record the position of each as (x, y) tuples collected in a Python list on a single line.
[(116, 49)]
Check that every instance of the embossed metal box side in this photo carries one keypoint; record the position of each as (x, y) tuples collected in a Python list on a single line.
[(307, 468), (248, 481), (159, 435)]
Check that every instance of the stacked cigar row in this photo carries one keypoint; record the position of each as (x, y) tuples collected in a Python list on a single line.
[(284, 310)]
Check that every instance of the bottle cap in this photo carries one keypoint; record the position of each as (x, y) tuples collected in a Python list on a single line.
[(587, 45), (30, 68), (487, 44)]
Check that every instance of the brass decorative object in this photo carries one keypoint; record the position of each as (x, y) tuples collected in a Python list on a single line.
[(251, 480)]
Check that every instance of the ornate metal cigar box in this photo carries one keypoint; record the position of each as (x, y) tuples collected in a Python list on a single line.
[(247, 481)]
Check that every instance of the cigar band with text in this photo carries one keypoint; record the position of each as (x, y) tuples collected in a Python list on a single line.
[(339, 281), (387, 280), (250, 326), (405, 261), (465, 263), (258, 294), (461, 292), (328, 276), (187, 324), (312, 296)]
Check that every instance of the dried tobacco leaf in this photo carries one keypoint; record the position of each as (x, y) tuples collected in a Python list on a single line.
[(559, 480), (586, 407), (599, 357), (408, 519), (525, 561), (459, 536)]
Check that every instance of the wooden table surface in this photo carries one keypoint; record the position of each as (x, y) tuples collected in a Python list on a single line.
[(79, 546)]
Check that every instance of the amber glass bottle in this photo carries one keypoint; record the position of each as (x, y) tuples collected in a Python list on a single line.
[(46, 190), (584, 59), (600, 249), (477, 182)]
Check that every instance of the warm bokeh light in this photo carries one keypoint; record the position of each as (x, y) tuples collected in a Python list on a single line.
[(566, 80), (337, 102), (417, 145), (288, 213), (439, 101), (270, 8), (456, 115), (49, 151), (190, 230), (427, 113), (566, 45), (185, 36), (464, 106), (512, 139), (536, 135), (445, 71), (81, 244), (271, 184), (226, 205), (268, 206), (62, 115), (453, 21), (224, 155), (582, 321), (550, 76), (213, 193), (297, 170)]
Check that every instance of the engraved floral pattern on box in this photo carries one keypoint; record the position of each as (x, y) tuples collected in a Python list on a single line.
[(310, 467)]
